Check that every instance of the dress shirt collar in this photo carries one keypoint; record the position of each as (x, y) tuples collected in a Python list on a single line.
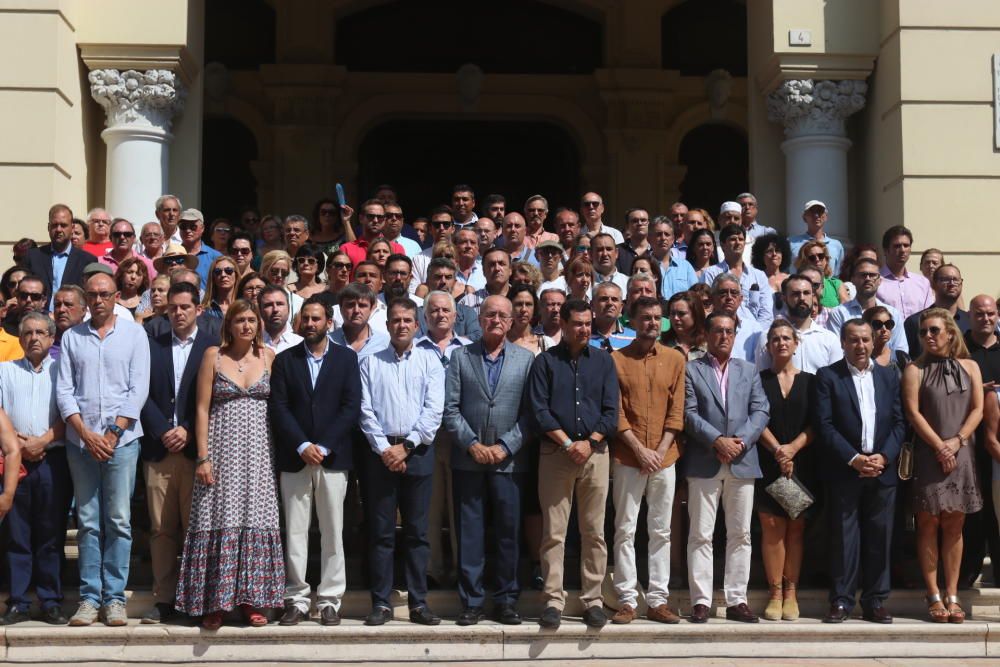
[(183, 342), (862, 373), (281, 335), (715, 363), (313, 357), (27, 365), (886, 273)]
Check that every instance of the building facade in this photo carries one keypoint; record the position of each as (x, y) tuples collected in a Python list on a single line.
[(884, 109)]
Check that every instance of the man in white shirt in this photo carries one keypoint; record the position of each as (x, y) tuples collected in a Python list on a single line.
[(592, 214), (369, 274), (818, 347), (727, 298), (604, 254), (274, 311)]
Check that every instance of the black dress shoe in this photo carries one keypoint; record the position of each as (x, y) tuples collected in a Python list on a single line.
[(54, 616), (379, 616), (507, 614), (741, 613), (699, 614), (470, 616), (837, 614), (293, 616), (424, 616), (594, 617), (877, 615), (329, 616), (550, 618), (15, 616)]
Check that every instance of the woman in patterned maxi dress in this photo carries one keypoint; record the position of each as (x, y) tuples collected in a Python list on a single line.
[(232, 553)]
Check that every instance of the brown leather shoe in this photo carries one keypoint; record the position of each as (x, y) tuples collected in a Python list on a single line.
[(662, 614), (699, 614), (838, 614), (878, 615), (624, 615), (741, 612)]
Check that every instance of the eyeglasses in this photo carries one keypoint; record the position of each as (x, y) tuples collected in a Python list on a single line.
[(374, 216), (228, 270), (188, 226), (934, 331), (283, 273), (950, 281), (591, 204), (30, 296), (583, 248), (393, 216), (866, 276), (728, 292), (815, 257), (99, 296), (397, 273), (878, 325), (122, 235), (496, 316), (174, 260), (224, 230), (723, 332), (240, 251), (535, 210), (98, 221), (341, 266), (328, 211), (305, 260), (252, 289), (441, 224)]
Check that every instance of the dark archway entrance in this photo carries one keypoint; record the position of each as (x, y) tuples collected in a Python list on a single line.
[(717, 159), (227, 181), (423, 159)]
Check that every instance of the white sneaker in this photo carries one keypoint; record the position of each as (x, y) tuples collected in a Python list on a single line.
[(114, 614), (85, 614)]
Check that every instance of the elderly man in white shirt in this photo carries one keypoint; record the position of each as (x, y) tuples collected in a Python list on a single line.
[(818, 347)]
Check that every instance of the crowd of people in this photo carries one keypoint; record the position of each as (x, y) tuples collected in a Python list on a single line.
[(487, 376)]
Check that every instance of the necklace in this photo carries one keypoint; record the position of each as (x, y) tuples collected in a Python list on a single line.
[(241, 364)]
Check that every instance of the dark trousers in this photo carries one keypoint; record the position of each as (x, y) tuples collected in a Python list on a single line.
[(979, 532), (36, 531), (473, 490), (411, 494), (861, 518)]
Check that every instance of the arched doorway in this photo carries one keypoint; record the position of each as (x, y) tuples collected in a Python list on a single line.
[(228, 183), (424, 158), (717, 159)]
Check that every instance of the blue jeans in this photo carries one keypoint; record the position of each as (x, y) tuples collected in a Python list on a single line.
[(103, 491)]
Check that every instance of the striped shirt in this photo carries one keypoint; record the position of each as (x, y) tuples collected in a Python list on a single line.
[(29, 396)]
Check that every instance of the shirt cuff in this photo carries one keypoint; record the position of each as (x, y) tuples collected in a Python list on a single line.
[(323, 450), (851, 462), (505, 447), (301, 448), (380, 445)]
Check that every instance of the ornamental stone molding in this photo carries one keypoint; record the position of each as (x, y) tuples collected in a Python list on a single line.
[(138, 99), (806, 107)]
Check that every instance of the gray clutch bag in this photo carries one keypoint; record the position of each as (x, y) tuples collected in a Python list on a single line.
[(791, 494)]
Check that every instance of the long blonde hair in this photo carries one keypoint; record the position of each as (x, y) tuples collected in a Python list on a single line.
[(957, 349)]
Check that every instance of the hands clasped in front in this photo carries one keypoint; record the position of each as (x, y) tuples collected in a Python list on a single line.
[(487, 454), (727, 449), (872, 465)]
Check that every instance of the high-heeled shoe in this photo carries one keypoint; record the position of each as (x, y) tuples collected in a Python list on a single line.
[(772, 612), (790, 605), (253, 617), (212, 621)]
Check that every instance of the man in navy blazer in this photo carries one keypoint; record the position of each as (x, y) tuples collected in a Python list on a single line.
[(168, 443), (315, 401), (484, 413), (860, 428), (725, 411), (58, 263)]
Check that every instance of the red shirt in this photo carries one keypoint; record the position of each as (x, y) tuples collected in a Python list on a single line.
[(358, 250), (97, 249)]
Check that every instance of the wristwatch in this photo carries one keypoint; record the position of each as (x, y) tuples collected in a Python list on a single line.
[(596, 445), (117, 430), (409, 446)]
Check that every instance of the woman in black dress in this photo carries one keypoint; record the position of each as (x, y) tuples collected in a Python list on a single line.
[(784, 451)]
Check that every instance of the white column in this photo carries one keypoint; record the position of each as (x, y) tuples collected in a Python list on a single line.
[(139, 107), (813, 113)]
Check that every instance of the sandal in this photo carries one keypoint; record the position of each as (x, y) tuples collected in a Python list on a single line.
[(212, 621), (937, 613), (955, 612), (253, 617)]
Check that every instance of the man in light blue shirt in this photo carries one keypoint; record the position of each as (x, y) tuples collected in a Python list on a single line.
[(758, 297), (192, 226), (815, 215), (677, 275), (727, 299), (356, 302), (402, 400), (101, 387), (866, 280)]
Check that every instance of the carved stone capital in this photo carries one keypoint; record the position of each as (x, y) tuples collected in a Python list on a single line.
[(806, 107), (132, 98)]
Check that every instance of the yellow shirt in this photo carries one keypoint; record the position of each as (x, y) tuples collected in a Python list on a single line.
[(10, 347)]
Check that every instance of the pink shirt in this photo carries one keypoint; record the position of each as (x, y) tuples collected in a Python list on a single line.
[(113, 263), (721, 375), (909, 294), (532, 240)]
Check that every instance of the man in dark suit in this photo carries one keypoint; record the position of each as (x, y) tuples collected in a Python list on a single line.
[(157, 325), (483, 413), (168, 441), (315, 402), (860, 428), (58, 263)]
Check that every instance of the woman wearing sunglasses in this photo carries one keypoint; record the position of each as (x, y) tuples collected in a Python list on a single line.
[(943, 400), (814, 255), (339, 269), (882, 324), (221, 292), (275, 267), (310, 262)]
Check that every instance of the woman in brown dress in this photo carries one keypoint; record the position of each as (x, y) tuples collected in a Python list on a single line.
[(943, 398)]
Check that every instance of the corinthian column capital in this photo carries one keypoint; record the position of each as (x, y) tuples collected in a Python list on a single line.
[(806, 107), (138, 99)]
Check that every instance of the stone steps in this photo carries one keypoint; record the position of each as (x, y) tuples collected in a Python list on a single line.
[(398, 642)]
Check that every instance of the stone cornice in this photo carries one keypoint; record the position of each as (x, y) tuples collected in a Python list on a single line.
[(835, 67), (173, 57)]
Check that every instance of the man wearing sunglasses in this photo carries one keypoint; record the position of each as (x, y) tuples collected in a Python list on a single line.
[(815, 215), (372, 227), (192, 226), (98, 232), (442, 228), (947, 285), (592, 213), (31, 297), (58, 263), (122, 244), (866, 279)]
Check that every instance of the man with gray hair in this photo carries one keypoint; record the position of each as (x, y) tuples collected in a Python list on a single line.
[(748, 218), (69, 307), (151, 240), (727, 299), (608, 333), (98, 232), (168, 212), (536, 209), (36, 524), (296, 233), (439, 312)]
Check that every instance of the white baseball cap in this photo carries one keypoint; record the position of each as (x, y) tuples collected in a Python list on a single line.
[(730, 206), (813, 202)]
